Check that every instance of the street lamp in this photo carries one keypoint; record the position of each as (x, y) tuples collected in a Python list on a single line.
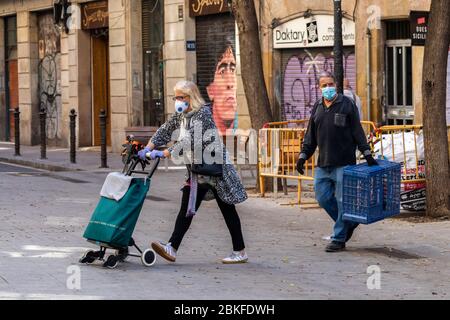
[(338, 44), (61, 14)]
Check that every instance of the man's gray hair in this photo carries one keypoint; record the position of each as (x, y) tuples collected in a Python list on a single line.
[(325, 74)]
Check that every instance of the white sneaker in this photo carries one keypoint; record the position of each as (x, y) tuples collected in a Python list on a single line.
[(165, 250), (236, 257)]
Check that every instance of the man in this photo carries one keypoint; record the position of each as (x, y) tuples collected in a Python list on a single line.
[(348, 92), (335, 128), (222, 92)]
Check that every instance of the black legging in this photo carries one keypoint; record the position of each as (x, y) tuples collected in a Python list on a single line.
[(228, 211)]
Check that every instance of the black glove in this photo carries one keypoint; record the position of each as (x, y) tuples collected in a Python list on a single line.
[(301, 165), (371, 161)]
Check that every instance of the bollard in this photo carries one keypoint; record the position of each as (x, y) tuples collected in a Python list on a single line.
[(73, 117), (43, 120), (17, 132), (103, 139)]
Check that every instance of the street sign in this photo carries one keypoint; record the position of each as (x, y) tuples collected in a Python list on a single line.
[(313, 31), (94, 15), (419, 27), (203, 8), (191, 45)]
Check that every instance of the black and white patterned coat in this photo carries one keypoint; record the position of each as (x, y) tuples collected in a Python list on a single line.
[(229, 187)]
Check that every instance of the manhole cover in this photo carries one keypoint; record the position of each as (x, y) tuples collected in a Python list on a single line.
[(394, 253)]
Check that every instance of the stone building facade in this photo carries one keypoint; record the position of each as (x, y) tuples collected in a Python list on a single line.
[(96, 65), (125, 56), (382, 63)]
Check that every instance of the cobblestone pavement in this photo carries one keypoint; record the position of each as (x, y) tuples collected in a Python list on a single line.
[(44, 215)]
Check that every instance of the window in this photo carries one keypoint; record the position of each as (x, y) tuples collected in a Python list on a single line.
[(398, 77), (396, 30), (11, 38)]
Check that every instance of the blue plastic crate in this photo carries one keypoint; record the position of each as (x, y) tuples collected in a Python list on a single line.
[(371, 194)]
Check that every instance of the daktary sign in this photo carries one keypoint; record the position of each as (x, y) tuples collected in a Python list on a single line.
[(315, 31)]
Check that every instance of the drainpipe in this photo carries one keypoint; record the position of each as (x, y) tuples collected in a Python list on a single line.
[(368, 73)]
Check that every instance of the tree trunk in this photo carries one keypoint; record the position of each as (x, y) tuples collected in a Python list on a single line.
[(251, 63), (252, 68), (434, 119)]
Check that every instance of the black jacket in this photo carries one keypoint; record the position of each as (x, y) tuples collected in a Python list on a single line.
[(337, 131)]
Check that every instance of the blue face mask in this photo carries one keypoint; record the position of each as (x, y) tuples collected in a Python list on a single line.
[(181, 106), (329, 93)]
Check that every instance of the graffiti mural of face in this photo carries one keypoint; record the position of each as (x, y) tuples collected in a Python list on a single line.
[(222, 92)]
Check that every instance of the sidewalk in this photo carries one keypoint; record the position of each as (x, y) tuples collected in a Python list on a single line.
[(41, 241), (58, 159), (87, 159)]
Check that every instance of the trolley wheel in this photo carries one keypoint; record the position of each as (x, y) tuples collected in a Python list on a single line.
[(148, 257), (122, 254), (89, 257), (112, 262)]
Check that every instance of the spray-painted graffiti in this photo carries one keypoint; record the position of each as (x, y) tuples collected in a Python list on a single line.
[(222, 92), (50, 95), (216, 68), (301, 72), (50, 74)]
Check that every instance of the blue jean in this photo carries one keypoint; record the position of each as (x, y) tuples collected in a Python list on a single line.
[(328, 188)]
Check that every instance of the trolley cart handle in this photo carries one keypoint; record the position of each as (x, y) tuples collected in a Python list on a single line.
[(150, 173), (154, 167)]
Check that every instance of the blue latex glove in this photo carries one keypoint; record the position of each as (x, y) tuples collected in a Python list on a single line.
[(156, 154), (143, 152)]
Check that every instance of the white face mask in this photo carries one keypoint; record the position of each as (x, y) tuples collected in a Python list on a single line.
[(181, 106)]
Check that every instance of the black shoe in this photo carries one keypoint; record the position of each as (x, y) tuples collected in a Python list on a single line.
[(350, 232), (335, 246)]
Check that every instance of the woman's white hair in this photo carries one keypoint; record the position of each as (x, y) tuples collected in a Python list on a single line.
[(190, 89)]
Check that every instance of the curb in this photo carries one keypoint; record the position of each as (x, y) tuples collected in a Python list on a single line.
[(38, 165)]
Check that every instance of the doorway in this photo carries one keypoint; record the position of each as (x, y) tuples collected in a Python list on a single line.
[(11, 75), (100, 85), (152, 44)]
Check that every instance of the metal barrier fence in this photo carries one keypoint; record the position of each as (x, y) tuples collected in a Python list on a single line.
[(409, 139), (280, 144), (278, 150), (404, 144)]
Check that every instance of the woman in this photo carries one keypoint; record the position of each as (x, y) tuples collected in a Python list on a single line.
[(192, 113)]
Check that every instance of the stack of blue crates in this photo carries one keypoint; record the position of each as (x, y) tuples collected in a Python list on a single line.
[(371, 194)]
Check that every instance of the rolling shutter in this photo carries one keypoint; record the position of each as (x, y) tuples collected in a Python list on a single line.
[(146, 24), (212, 33), (300, 70)]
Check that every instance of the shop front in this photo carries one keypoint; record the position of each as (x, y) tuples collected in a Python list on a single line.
[(306, 48)]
